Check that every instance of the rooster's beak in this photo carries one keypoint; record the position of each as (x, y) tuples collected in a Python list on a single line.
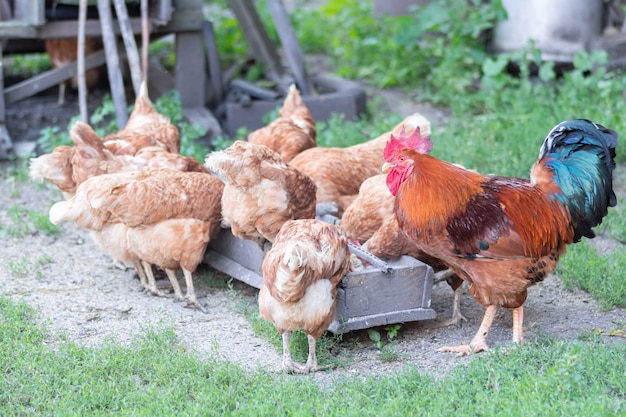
[(387, 167)]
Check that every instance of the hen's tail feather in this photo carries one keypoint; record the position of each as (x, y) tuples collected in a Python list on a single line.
[(581, 154), (87, 140)]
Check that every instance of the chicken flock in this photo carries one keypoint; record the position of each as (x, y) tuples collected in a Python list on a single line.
[(145, 204)]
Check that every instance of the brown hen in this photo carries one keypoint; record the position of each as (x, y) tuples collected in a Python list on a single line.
[(145, 127), (262, 192), (300, 276), (64, 51), (339, 172), (292, 132)]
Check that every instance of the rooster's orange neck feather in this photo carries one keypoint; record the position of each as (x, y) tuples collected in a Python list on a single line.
[(427, 205)]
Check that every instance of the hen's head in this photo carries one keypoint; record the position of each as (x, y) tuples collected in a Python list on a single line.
[(397, 154)]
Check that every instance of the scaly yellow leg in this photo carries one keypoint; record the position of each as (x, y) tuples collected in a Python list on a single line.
[(478, 343)]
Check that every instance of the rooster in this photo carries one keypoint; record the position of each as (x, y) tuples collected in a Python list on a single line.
[(370, 221), (292, 132), (339, 172), (261, 191), (300, 277), (502, 234)]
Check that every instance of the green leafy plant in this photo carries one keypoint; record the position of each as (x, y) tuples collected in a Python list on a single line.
[(26, 65), (375, 336)]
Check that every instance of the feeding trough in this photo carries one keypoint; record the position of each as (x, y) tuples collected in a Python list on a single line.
[(366, 298)]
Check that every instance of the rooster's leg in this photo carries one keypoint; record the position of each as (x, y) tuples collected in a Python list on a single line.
[(152, 286), (478, 343), (190, 298), (456, 309), (518, 321), (178, 294)]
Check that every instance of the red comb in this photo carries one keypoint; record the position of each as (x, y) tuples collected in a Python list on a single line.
[(415, 141)]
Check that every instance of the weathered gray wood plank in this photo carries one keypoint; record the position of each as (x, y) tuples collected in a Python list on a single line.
[(116, 81), (50, 78), (189, 76)]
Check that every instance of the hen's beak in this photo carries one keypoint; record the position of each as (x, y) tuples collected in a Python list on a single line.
[(387, 167)]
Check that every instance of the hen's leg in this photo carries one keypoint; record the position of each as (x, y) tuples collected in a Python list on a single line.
[(141, 274), (190, 298), (288, 364), (518, 321), (442, 276), (311, 362), (152, 286), (61, 99), (446, 275), (178, 294), (478, 343)]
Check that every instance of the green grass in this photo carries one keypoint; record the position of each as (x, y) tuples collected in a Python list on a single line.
[(602, 275), (156, 375), (24, 266)]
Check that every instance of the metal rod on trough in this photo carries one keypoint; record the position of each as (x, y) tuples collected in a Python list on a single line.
[(361, 253), (323, 212)]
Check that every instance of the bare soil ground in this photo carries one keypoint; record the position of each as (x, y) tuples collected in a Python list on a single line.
[(83, 298)]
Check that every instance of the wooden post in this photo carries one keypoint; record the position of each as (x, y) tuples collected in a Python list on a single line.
[(6, 145), (145, 39), (132, 55), (190, 75), (113, 62), (291, 46), (82, 83)]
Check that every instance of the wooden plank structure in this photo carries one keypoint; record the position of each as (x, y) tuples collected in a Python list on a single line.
[(28, 29), (207, 98), (366, 298)]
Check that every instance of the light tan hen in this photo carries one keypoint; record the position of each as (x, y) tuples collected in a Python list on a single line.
[(170, 217)]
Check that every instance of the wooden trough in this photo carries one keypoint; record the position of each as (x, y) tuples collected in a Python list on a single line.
[(366, 298)]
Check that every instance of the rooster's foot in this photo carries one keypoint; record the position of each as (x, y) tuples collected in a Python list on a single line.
[(465, 350), (455, 320)]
